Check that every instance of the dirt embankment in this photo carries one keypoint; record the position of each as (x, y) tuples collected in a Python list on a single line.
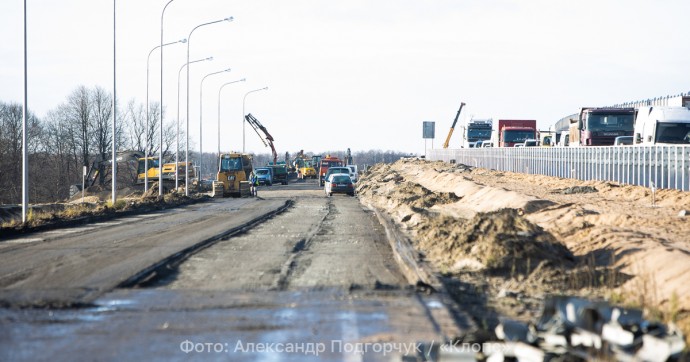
[(94, 206), (517, 237)]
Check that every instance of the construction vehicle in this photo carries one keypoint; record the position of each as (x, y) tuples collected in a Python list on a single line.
[(326, 163), (601, 126), (512, 132), (168, 172), (304, 166), (234, 170), (267, 139), (452, 128), (662, 125), (98, 169)]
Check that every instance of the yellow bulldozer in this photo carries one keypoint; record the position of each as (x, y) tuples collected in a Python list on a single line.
[(234, 170)]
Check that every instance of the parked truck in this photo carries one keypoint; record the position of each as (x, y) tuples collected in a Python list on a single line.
[(662, 125), (326, 163), (477, 130), (600, 126), (513, 131)]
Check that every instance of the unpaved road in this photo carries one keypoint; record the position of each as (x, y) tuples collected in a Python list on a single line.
[(318, 277)]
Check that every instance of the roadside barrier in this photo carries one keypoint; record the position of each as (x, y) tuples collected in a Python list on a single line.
[(663, 167)]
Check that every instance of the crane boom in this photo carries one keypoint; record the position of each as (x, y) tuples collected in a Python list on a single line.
[(267, 139), (452, 128)]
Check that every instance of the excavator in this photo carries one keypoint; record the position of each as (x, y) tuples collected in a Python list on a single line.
[(267, 140), (280, 171), (304, 166), (452, 128)]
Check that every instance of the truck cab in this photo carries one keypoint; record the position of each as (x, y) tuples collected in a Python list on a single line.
[(662, 125), (601, 126)]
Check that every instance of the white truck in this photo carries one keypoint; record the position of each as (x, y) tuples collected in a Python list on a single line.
[(662, 125)]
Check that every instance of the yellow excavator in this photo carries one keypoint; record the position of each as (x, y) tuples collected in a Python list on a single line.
[(304, 166), (452, 128)]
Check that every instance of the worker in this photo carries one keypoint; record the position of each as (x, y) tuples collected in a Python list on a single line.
[(253, 182)]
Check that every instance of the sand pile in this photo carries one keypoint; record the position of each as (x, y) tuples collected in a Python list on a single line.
[(501, 241)]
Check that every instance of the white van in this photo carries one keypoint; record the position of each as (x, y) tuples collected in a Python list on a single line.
[(662, 125), (353, 172)]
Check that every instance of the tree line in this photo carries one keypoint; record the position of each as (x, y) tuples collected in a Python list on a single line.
[(78, 133), (75, 134)]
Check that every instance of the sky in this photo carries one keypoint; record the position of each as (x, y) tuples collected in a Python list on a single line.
[(357, 74)]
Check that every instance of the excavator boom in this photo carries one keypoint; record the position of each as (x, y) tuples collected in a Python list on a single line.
[(267, 139), (452, 128)]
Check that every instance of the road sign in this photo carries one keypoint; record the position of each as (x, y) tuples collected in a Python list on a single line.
[(429, 129)]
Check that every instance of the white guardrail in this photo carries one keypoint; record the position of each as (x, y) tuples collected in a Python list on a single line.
[(664, 167)]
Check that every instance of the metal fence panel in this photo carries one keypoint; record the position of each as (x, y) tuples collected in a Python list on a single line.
[(663, 166)]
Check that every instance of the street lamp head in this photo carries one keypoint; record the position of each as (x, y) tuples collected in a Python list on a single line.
[(264, 88), (209, 58), (243, 80), (183, 41), (229, 19), (227, 70)]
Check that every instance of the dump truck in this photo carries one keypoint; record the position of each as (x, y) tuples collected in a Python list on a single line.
[(326, 163), (234, 169), (512, 131), (600, 126)]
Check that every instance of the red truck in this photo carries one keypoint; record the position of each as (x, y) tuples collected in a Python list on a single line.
[(513, 131)]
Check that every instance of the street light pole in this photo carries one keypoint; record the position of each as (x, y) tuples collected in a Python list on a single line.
[(219, 90), (186, 166), (177, 137), (201, 108), (114, 161), (148, 112), (160, 151), (25, 119), (243, 120)]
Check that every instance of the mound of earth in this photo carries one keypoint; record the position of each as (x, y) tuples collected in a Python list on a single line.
[(499, 241), (526, 235)]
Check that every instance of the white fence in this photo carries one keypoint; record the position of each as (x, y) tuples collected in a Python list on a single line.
[(660, 166)]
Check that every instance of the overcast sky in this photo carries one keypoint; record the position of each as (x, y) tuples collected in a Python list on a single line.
[(358, 74)]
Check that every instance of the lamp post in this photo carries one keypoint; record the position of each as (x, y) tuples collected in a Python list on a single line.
[(219, 90), (177, 137), (186, 166), (148, 108), (201, 108), (114, 161), (25, 119), (160, 151), (243, 120)]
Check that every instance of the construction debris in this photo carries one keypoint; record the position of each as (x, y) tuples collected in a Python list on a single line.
[(582, 329)]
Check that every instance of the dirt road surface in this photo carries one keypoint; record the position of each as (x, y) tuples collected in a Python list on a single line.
[(317, 281)]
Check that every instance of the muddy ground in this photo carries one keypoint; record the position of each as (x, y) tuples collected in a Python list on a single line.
[(503, 241)]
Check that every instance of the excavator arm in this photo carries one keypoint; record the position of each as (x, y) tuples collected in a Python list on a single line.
[(267, 139), (452, 128)]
